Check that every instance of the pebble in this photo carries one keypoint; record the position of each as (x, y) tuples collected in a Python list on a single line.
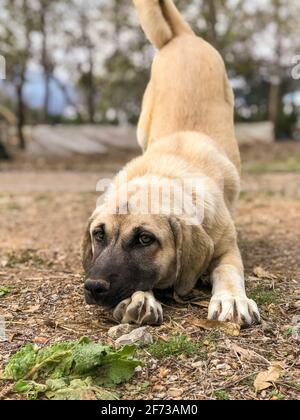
[(223, 366), (119, 330), (175, 392), (157, 388), (139, 336), (197, 365), (40, 340)]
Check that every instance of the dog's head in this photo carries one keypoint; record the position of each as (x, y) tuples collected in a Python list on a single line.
[(124, 253)]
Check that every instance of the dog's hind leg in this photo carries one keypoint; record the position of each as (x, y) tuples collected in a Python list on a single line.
[(144, 125)]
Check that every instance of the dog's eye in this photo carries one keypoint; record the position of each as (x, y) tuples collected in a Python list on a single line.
[(146, 240), (99, 234)]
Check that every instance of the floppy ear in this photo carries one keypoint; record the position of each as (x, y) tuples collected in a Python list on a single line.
[(194, 249), (87, 251)]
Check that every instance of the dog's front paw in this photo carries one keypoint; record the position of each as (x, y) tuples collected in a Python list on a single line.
[(142, 308), (240, 310)]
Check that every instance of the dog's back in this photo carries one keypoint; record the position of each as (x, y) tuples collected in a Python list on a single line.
[(189, 89)]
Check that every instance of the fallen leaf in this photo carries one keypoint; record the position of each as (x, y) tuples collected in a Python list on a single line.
[(263, 274), (249, 355), (163, 372), (40, 340), (265, 379), (228, 327)]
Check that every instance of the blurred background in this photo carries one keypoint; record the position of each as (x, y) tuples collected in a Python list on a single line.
[(76, 71), (75, 75)]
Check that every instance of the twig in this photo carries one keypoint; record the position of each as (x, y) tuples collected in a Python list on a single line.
[(237, 381), (287, 385)]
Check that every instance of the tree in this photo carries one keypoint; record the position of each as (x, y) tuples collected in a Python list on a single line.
[(17, 49)]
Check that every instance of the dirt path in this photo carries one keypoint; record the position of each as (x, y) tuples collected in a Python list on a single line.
[(42, 219)]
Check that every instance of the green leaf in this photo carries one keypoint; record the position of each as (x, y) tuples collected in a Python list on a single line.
[(115, 371), (4, 291), (70, 370), (117, 367), (30, 388), (55, 360), (81, 390), (21, 363), (89, 356)]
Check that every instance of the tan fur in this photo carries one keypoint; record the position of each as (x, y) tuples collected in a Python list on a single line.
[(186, 130)]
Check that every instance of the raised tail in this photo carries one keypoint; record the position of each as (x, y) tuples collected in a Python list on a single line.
[(161, 21)]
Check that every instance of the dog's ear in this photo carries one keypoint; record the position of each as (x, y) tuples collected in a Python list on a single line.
[(87, 250), (194, 251)]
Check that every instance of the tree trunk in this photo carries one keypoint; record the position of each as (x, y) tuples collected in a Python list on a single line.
[(21, 110), (91, 87), (45, 62), (275, 82), (3, 152), (21, 78), (274, 103), (212, 23)]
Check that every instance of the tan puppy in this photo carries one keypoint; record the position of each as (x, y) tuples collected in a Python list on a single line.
[(186, 130)]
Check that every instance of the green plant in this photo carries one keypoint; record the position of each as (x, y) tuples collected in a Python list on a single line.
[(5, 290), (175, 346), (221, 395), (70, 370), (264, 297)]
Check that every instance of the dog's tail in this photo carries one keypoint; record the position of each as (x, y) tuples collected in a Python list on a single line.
[(161, 21)]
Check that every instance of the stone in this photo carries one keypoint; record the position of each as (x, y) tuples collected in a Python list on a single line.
[(119, 330), (139, 336), (175, 392)]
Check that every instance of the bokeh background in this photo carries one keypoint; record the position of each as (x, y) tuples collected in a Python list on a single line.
[(77, 62)]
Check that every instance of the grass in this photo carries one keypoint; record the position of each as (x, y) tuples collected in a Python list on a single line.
[(277, 395), (221, 395), (292, 164), (24, 257), (42, 198), (294, 384), (175, 346), (5, 290), (264, 297), (14, 206)]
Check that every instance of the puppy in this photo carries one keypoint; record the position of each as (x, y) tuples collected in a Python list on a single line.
[(186, 131)]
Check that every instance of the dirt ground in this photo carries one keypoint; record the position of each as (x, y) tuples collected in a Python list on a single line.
[(43, 211)]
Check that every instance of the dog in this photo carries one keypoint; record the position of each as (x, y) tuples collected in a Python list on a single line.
[(186, 131)]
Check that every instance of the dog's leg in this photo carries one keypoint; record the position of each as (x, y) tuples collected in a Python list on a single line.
[(144, 124), (229, 301), (142, 308)]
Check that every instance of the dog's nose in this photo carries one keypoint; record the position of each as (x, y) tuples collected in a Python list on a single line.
[(96, 286)]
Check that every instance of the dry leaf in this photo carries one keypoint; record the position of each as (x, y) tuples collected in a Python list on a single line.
[(263, 274), (265, 379), (40, 340), (249, 355), (228, 327), (163, 372)]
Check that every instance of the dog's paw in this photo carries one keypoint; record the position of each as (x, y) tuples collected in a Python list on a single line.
[(142, 308), (240, 310)]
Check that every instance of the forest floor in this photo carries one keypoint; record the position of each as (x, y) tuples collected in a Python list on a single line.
[(44, 207)]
